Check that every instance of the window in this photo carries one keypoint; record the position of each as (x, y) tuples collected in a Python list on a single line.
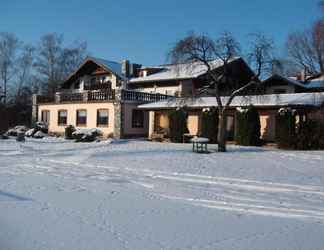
[(62, 117), (45, 116), (102, 117), (81, 119), (137, 118)]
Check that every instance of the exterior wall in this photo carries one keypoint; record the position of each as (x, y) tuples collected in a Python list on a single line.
[(193, 123), (71, 115), (183, 88), (268, 125), (186, 88), (151, 124), (161, 120), (128, 130), (169, 90), (267, 120)]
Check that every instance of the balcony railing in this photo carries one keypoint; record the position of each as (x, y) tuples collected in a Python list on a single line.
[(103, 95), (129, 95), (98, 86)]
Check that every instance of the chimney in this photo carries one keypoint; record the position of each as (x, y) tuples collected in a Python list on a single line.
[(135, 68), (303, 75), (126, 68)]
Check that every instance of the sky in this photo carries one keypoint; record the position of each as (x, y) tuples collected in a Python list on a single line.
[(144, 31)]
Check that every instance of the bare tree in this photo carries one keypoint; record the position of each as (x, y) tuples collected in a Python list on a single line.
[(306, 48), (54, 62), (24, 77), (197, 50), (47, 62), (9, 45), (72, 57)]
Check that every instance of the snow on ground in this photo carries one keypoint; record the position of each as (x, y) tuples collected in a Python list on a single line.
[(56, 194)]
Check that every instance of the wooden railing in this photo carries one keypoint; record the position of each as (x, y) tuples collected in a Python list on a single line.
[(128, 95), (98, 86), (45, 99), (70, 97), (103, 95)]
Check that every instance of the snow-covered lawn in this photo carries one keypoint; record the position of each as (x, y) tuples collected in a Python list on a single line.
[(56, 194)]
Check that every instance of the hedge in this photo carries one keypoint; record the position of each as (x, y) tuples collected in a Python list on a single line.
[(178, 125), (209, 125), (248, 127)]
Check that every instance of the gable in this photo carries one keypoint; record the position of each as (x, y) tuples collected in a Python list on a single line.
[(89, 67)]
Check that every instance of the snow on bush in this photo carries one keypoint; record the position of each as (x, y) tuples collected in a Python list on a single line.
[(241, 110), (39, 135), (41, 126), (16, 130), (30, 132), (39, 131), (86, 135)]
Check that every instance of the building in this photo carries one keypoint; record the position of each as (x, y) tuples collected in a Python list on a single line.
[(129, 100), (267, 105), (96, 96), (104, 94)]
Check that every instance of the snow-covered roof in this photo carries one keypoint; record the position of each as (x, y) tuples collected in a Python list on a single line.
[(179, 71), (313, 84), (287, 79), (298, 99)]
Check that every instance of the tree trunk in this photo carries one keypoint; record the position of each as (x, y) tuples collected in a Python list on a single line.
[(222, 131)]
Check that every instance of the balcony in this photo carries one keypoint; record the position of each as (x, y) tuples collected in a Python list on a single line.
[(101, 96)]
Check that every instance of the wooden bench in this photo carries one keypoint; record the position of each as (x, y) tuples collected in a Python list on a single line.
[(199, 144)]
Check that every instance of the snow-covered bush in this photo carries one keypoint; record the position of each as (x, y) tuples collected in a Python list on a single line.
[(69, 132), (41, 126), (30, 132), (39, 135), (86, 135), (18, 129), (34, 132)]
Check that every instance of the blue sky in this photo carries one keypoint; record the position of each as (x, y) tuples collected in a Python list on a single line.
[(143, 31)]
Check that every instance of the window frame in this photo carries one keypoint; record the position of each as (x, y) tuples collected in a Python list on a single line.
[(58, 117), (77, 122), (102, 124), (138, 123), (48, 116)]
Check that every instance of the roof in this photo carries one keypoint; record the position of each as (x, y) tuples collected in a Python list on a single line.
[(286, 79), (277, 100), (312, 84), (179, 71), (112, 66)]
